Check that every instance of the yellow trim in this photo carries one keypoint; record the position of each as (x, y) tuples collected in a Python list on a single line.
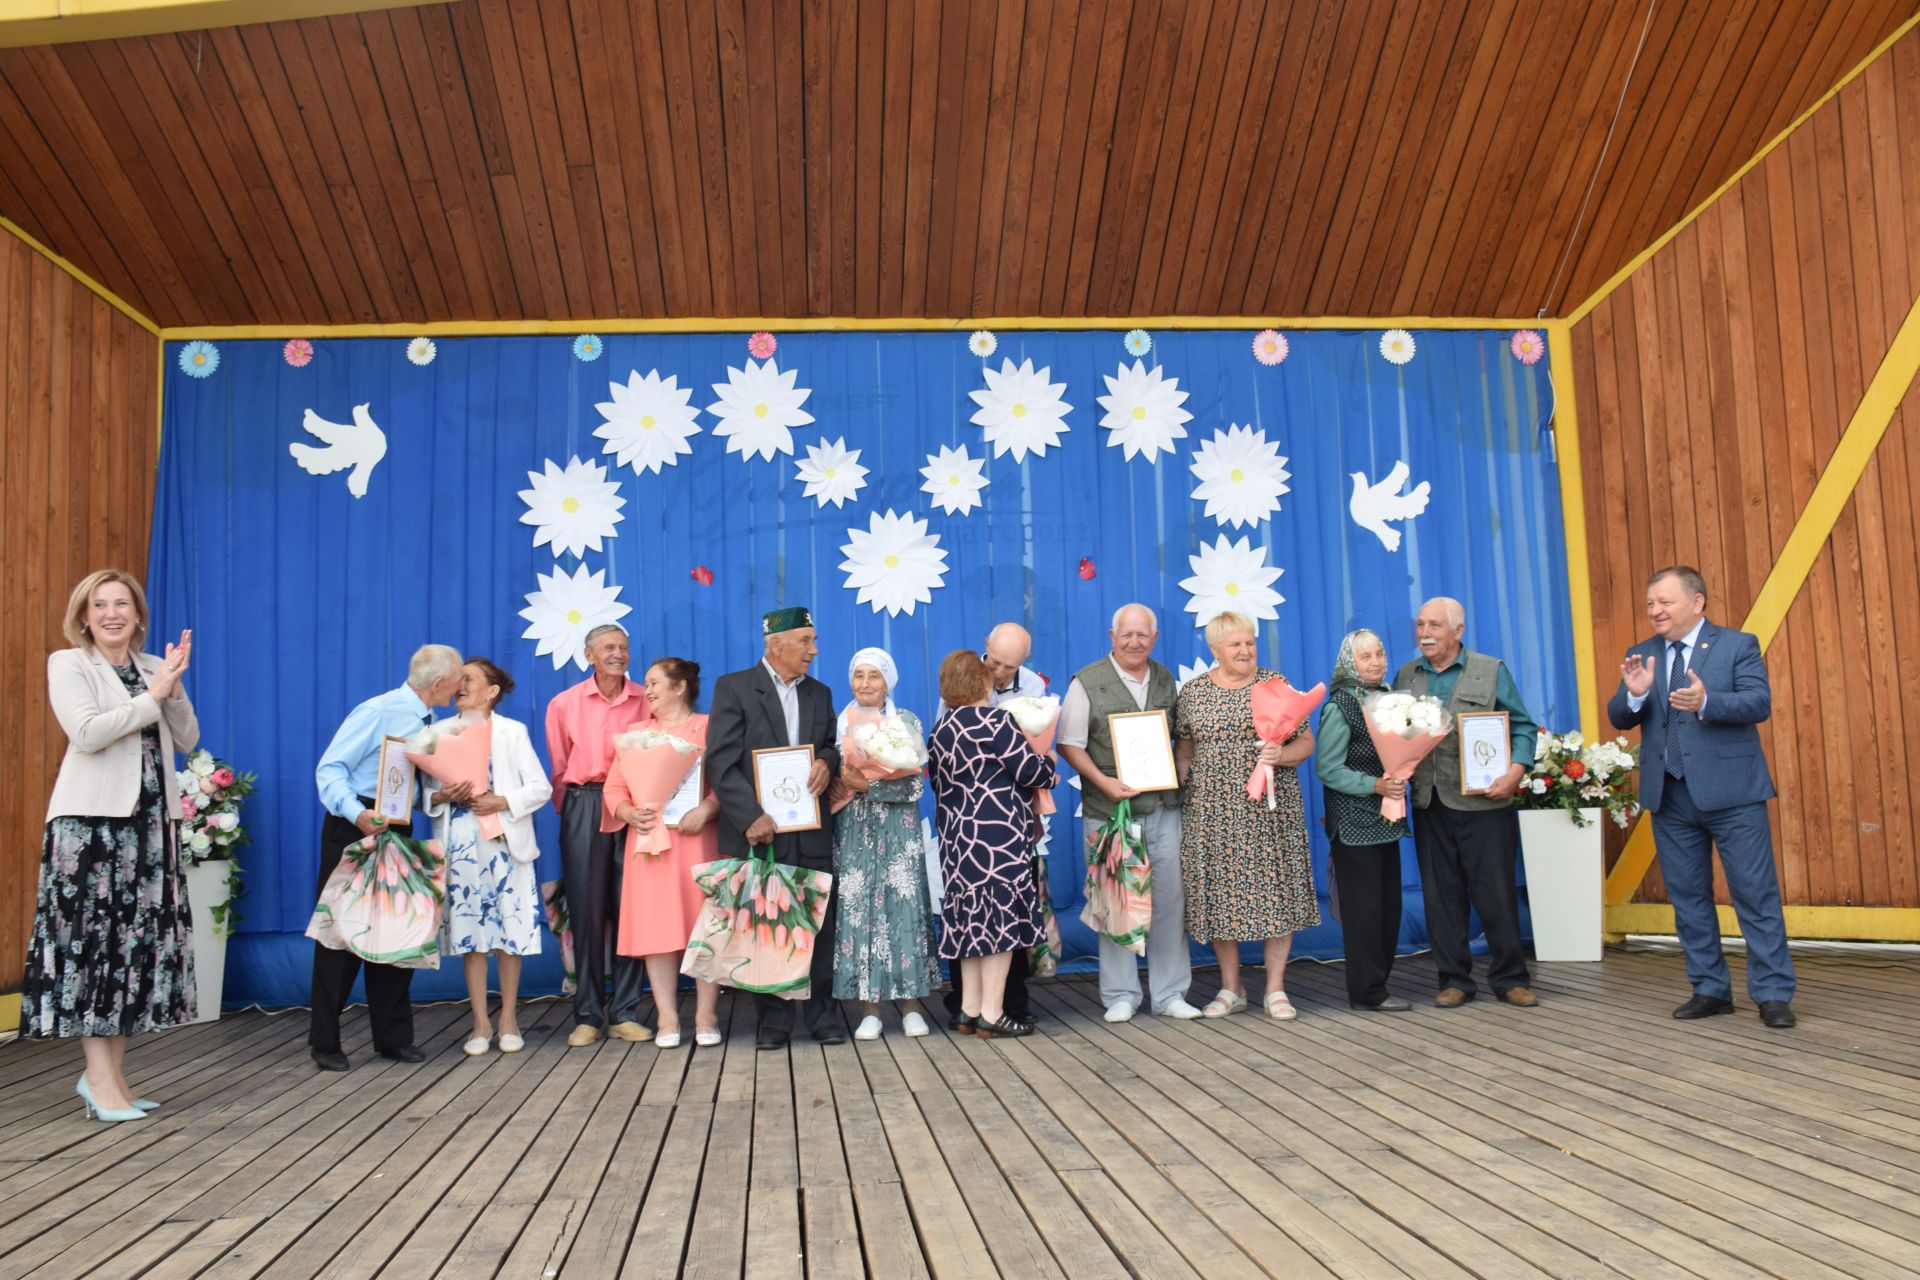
[(99, 289), (1838, 478), (1640, 259), (1836, 924), (1573, 512), (33, 22), (806, 324), (9, 1012)]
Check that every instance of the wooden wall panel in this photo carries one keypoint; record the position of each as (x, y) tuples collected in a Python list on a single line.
[(587, 159), (1719, 378), (78, 453)]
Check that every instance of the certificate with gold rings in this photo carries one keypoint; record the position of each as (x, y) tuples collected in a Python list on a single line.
[(393, 793), (1486, 749), (780, 784)]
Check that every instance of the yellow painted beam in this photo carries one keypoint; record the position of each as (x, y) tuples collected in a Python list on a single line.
[(816, 324), (1831, 924), (99, 290), (1865, 430), (1640, 259), (31, 22), (9, 1012), (1573, 510)]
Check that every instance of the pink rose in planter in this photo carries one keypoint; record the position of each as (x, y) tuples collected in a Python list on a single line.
[(223, 777)]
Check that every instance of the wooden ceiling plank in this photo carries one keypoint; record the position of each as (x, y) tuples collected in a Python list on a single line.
[(622, 147), (1036, 160), (841, 97), (1049, 250), (770, 219), (1117, 35), (816, 46), (869, 110), (750, 295), (1153, 46), (574, 237), (503, 45), (578, 40), (998, 123), (1174, 113), (1309, 272), (67, 147), (979, 88), (944, 159), (1225, 61), (683, 248), (893, 175), (922, 114), (709, 129), (790, 151)]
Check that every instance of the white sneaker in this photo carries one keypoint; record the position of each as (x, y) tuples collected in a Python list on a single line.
[(913, 1024), (1178, 1008), (1120, 1011), (869, 1028)]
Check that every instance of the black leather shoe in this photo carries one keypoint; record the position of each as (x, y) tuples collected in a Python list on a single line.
[(964, 1023), (1703, 1007), (769, 1039), (331, 1061), (1392, 1004), (833, 1033), (1777, 1013), (405, 1053), (1004, 1027)]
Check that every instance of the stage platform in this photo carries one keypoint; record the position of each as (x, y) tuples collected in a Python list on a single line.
[(1592, 1136)]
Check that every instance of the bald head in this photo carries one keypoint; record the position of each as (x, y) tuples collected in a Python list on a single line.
[(1007, 648)]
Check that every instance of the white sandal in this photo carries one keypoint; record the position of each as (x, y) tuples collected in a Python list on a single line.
[(1224, 1004), (1279, 1008)]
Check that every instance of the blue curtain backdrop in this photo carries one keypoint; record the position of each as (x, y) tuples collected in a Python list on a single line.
[(304, 599)]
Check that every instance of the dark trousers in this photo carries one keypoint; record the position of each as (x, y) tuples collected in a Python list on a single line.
[(819, 1009), (590, 869), (1467, 860), (1014, 1002), (1685, 836), (1368, 879), (388, 1007)]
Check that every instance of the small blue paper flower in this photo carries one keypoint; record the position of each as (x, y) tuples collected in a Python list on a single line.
[(199, 359), (588, 347), (1138, 343)]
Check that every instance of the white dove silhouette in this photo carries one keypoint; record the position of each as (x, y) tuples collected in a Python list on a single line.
[(1373, 505), (360, 446)]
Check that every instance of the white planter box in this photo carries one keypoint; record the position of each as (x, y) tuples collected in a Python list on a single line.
[(1564, 874), (207, 889)]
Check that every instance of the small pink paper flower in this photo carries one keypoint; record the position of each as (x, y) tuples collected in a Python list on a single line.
[(1527, 347), (761, 345), (1269, 346), (298, 352)]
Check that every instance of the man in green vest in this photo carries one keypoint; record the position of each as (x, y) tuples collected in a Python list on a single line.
[(1128, 679), (1468, 845)]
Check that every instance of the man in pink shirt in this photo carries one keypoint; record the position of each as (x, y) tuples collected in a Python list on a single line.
[(581, 724)]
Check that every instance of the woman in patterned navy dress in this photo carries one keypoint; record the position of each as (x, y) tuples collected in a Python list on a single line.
[(984, 773)]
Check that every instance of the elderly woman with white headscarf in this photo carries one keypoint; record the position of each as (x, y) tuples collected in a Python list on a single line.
[(884, 948)]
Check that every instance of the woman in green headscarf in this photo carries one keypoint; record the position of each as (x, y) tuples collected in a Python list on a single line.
[(1366, 847)]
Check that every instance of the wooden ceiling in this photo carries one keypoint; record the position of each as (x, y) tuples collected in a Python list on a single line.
[(592, 159)]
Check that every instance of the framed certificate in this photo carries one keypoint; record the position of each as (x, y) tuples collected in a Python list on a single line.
[(1485, 750), (780, 785), (393, 792), (686, 797), (1143, 750)]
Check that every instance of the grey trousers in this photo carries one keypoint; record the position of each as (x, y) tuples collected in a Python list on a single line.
[(1169, 962)]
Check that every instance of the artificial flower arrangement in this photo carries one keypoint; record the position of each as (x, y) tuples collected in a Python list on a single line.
[(1571, 773), (211, 795)]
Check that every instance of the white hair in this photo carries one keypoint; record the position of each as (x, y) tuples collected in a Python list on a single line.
[(1153, 621), (1456, 612), (431, 662), (602, 630)]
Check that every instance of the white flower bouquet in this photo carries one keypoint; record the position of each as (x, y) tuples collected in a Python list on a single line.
[(653, 764), (1038, 718), (1404, 728)]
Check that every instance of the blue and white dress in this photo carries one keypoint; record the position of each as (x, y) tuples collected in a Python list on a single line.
[(493, 902)]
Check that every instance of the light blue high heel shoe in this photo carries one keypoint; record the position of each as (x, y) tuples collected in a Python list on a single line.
[(146, 1104), (94, 1109)]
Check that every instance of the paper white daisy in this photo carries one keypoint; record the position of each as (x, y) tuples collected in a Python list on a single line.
[(422, 351), (1201, 666), (565, 608), (832, 471), (758, 408), (894, 563), (1021, 410), (983, 343), (1143, 411), (1241, 474), (1231, 575), (1396, 346), (648, 421), (954, 480), (572, 509)]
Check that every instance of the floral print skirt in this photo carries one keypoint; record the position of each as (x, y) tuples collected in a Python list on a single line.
[(883, 947), (493, 903)]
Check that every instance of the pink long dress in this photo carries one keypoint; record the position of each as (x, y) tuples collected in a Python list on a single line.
[(658, 899)]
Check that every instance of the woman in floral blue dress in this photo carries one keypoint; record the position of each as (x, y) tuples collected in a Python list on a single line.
[(884, 949)]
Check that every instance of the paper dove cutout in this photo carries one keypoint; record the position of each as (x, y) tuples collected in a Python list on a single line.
[(1373, 505), (360, 446)]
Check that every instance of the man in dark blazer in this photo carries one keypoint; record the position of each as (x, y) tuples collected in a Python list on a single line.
[(775, 703), (1697, 691)]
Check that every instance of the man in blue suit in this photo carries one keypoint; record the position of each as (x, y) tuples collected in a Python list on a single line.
[(1697, 691)]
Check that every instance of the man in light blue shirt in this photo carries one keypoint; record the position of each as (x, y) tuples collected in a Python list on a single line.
[(346, 776)]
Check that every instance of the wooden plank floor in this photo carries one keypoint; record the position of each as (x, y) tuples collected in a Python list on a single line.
[(1592, 1136)]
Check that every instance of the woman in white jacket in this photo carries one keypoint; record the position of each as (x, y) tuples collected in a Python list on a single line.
[(493, 901)]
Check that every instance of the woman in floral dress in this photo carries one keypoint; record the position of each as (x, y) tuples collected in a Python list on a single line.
[(493, 902), (884, 949), (111, 953), (1245, 867)]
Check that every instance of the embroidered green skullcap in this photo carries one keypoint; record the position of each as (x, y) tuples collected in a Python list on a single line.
[(791, 618)]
